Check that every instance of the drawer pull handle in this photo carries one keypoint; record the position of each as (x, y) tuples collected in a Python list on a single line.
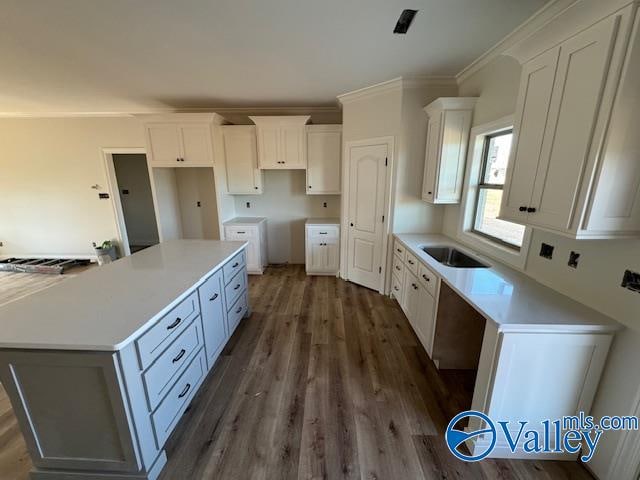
[(235, 265), (399, 250), (215, 295), (239, 310), (174, 324), (236, 287), (322, 233), (396, 288), (410, 262), (426, 278), (179, 356), (397, 268), (185, 391), (415, 287), (241, 233)]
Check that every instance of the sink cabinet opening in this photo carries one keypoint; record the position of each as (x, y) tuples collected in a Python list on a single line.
[(457, 343)]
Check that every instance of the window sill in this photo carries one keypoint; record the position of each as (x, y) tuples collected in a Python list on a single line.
[(511, 256)]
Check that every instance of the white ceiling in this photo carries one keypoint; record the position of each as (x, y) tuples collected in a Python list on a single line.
[(140, 55)]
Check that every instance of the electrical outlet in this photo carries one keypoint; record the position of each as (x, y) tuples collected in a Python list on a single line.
[(631, 281), (573, 259), (248, 204), (546, 251)]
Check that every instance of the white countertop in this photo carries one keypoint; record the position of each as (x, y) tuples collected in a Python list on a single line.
[(245, 221), (106, 307), (322, 221), (514, 301)]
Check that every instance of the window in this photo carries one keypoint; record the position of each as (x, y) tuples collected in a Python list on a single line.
[(495, 155)]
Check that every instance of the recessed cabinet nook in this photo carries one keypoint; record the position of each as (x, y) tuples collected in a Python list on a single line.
[(574, 166)]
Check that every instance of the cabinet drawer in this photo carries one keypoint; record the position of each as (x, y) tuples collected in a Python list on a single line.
[(398, 267), (412, 263), (323, 232), (177, 400), (157, 338), (236, 312), (235, 287), (232, 267), (399, 250), (428, 279), (242, 233), (396, 287), (161, 375)]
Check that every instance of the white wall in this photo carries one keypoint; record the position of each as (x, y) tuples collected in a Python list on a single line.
[(595, 283), (196, 185), (286, 206), (137, 204), (47, 168)]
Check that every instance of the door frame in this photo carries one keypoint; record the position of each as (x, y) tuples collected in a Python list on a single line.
[(389, 141), (114, 193)]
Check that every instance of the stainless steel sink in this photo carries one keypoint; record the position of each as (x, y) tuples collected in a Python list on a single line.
[(452, 257)]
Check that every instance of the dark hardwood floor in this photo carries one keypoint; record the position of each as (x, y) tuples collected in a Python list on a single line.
[(327, 380), (324, 380)]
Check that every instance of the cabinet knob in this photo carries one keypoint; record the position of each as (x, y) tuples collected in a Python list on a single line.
[(428, 193), (531, 210), (523, 209), (309, 187), (256, 188), (351, 224), (177, 159)]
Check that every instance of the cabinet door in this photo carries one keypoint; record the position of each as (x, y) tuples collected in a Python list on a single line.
[(213, 316), (324, 146), (316, 257), (164, 144), (410, 297), (580, 81), (293, 143), (243, 175), (455, 135), (196, 145), (432, 155), (269, 146), (425, 316), (532, 109), (332, 255)]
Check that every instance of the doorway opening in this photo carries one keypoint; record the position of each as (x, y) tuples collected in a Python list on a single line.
[(132, 198)]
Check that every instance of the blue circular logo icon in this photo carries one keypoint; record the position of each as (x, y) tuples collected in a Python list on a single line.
[(456, 438)]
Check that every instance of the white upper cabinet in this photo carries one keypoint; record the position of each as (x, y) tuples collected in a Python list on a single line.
[(282, 141), (183, 140), (241, 159), (574, 166), (324, 152), (446, 148)]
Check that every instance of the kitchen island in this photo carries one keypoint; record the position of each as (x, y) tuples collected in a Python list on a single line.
[(101, 367)]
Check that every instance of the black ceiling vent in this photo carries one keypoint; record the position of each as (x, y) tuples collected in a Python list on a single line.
[(404, 22)]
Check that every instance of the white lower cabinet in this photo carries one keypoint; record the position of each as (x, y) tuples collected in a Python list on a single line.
[(213, 319), (419, 306), (254, 231), (322, 247)]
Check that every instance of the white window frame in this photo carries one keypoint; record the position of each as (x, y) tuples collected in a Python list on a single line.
[(466, 234)]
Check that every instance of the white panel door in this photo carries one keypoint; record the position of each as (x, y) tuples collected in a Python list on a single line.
[(196, 145), (580, 81), (536, 85), (367, 181), (269, 146), (243, 175), (324, 147), (164, 143), (432, 155)]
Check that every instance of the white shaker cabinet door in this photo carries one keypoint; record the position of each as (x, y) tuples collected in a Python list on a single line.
[(580, 80), (241, 157), (536, 85), (197, 149), (164, 143)]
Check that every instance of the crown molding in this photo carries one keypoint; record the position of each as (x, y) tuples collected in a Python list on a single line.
[(398, 83), (539, 19), (165, 111)]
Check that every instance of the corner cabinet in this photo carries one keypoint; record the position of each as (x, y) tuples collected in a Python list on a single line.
[(180, 140), (574, 166), (324, 154), (241, 160), (446, 148), (282, 142)]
